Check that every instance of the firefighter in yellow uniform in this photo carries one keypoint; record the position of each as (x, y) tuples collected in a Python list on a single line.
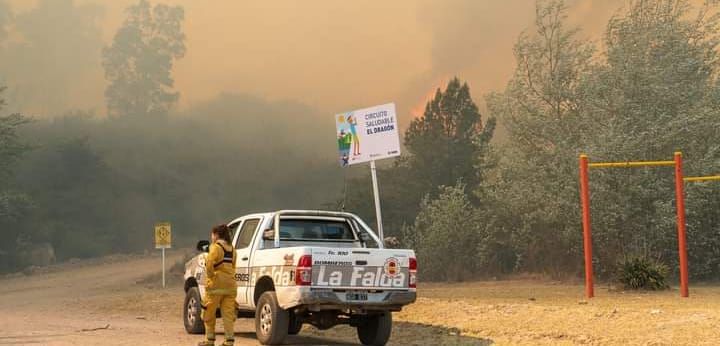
[(220, 286)]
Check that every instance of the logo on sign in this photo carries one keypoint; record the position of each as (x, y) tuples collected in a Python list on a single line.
[(392, 268)]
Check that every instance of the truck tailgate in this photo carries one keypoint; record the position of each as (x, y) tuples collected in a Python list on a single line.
[(347, 268)]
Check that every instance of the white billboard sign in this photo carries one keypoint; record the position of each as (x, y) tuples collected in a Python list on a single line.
[(367, 134)]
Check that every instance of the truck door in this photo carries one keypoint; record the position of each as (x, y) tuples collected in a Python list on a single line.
[(243, 239)]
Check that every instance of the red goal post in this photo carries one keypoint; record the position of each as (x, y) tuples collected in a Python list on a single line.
[(585, 165)]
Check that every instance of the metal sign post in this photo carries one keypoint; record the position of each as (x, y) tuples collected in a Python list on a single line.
[(376, 193), (163, 240), (163, 266)]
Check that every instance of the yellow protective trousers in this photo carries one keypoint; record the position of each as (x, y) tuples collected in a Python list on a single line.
[(226, 303)]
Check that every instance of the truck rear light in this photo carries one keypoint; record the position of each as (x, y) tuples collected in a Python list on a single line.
[(303, 272), (413, 273)]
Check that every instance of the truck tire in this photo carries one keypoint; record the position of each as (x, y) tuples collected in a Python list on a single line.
[(271, 321), (294, 324), (192, 312), (375, 329)]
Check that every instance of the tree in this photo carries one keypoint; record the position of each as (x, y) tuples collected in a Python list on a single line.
[(139, 62), (400, 194), (52, 33), (652, 91), (77, 195), (448, 143), (541, 108), (656, 93), (446, 225), (11, 148), (13, 205)]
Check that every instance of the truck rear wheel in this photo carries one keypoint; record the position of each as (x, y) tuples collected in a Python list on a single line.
[(271, 321), (375, 329), (192, 312)]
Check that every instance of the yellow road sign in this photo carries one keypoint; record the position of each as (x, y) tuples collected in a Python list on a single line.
[(163, 235)]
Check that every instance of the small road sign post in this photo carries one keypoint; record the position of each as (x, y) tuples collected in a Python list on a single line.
[(163, 240)]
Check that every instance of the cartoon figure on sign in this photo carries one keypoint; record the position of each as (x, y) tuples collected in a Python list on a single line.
[(355, 139), (392, 268), (344, 139)]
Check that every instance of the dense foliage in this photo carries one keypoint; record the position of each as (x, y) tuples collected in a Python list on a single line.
[(98, 185), (13, 204), (653, 92), (87, 186), (650, 89), (447, 225), (139, 62), (447, 145), (80, 185)]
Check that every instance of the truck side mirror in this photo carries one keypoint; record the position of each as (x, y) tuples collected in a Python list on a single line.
[(269, 234), (364, 237), (203, 246)]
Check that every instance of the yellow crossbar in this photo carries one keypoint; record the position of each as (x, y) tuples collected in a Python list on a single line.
[(631, 164), (698, 179)]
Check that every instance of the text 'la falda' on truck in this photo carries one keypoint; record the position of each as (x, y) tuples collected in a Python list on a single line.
[(317, 267)]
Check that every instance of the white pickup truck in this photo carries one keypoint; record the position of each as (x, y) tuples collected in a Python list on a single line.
[(317, 267)]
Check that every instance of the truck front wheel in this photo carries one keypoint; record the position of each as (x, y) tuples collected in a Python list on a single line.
[(191, 313), (375, 329), (271, 321)]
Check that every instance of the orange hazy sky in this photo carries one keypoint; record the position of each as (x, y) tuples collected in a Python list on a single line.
[(334, 55)]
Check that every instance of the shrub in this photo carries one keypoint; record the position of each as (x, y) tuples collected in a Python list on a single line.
[(445, 236), (642, 273)]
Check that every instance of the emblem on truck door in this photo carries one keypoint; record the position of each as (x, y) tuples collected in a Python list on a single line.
[(392, 268)]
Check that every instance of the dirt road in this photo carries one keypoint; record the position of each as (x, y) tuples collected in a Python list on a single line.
[(73, 306), (117, 301)]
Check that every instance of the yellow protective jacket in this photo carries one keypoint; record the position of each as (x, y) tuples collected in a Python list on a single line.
[(220, 269)]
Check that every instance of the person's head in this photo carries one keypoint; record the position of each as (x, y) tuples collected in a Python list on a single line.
[(220, 232)]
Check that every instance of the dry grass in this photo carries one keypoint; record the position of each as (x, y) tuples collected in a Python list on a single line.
[(548, 313), (517, 312)]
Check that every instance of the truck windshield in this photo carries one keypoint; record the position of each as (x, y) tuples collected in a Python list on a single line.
[(315, 230)]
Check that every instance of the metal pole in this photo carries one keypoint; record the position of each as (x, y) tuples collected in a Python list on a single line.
[(376, 192), (682, 245), (163, 266), (587, 237)]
